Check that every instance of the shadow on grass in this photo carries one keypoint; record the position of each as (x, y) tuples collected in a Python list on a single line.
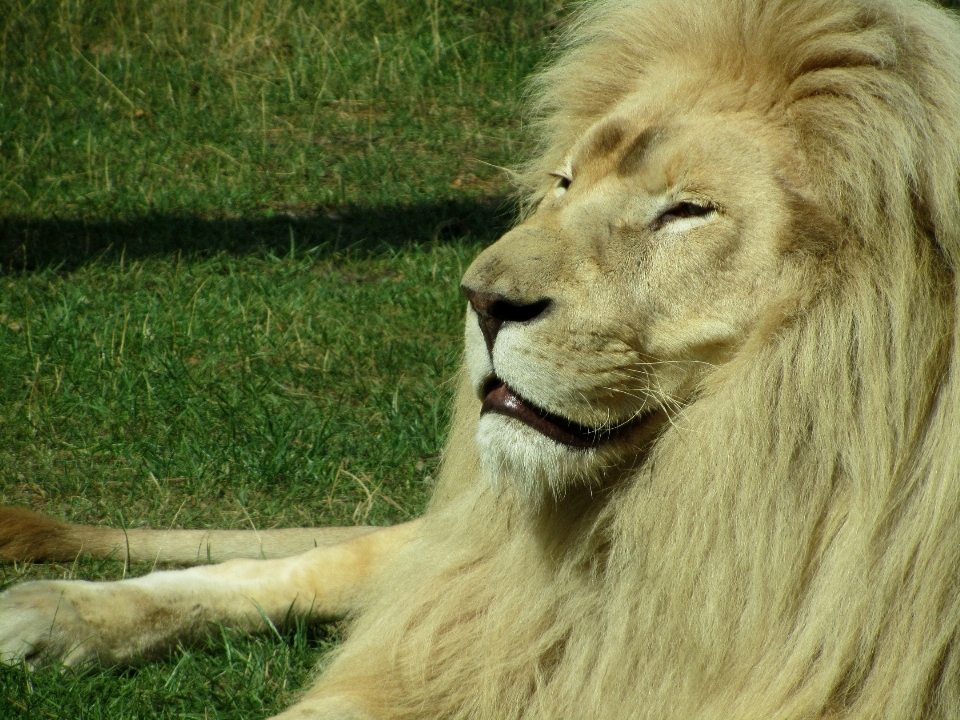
[(32, 244)]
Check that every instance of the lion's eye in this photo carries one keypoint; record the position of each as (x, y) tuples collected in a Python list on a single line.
[(683, 210), (563, 182)]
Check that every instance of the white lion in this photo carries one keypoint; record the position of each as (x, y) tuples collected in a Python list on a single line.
[(705, 459)]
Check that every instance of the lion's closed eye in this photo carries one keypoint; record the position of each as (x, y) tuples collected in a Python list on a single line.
[(683, 211), (563, 182)]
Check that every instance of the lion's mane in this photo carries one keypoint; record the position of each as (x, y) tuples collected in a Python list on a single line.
[(790, 545)]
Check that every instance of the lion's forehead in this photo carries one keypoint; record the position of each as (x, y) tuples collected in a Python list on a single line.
[(719, 151)]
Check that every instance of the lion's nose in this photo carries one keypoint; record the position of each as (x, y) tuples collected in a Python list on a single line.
[(493, 310)]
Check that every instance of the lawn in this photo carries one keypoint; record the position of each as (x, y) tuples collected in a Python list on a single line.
[(231, 237)]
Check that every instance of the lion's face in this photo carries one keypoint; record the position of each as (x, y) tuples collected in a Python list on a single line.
[(655, 253)]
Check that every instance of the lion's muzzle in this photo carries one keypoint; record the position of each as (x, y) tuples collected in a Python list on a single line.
[(494, 309)]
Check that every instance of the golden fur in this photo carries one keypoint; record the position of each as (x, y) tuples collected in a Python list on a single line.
[(749, 270), (790, 546)]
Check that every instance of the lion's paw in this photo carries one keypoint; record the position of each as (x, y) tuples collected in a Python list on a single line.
[(42, 622)]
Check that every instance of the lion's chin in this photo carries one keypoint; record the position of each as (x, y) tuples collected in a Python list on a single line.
[(540, 455), (515, 455), (537, 468)]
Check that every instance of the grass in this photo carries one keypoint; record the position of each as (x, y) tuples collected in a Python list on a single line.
[(231, 236), (120, 109), (229, 389)]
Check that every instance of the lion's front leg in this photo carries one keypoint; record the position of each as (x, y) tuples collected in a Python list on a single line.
[(121, 622)]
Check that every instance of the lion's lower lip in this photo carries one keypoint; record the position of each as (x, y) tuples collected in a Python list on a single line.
[(500, 398)]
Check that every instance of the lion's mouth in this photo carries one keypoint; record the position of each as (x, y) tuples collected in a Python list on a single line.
[(501, 398)]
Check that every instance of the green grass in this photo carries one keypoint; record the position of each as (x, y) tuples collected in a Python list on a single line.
[(119, 108), (207, 391), (231, 236)]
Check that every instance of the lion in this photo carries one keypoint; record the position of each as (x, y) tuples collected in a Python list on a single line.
[(705, 454)]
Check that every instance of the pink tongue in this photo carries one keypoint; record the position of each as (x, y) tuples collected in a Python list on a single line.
[(505, 401)]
